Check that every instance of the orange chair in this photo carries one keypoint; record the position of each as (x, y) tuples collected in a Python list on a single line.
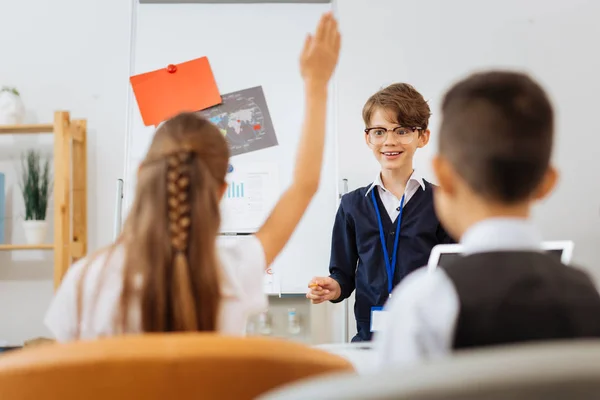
[(160, 366)]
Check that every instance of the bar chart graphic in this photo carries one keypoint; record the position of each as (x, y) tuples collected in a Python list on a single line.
[(252, 191), (235, 190)]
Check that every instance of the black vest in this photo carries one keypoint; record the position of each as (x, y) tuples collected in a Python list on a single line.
[(509, 297)]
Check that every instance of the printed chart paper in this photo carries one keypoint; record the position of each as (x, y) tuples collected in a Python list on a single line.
[(252, 191), (243, 118)]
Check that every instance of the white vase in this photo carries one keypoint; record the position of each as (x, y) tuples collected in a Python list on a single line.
[(12, 110), (35, 231)]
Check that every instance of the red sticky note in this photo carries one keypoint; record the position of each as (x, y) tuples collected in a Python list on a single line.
[(161, 94)]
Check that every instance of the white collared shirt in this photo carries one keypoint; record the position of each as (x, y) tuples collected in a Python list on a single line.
[(424, 307), (242, 269), (389, 200)]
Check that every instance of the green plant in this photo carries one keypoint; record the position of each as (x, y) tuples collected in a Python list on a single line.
[(10, 89), (35, 185)]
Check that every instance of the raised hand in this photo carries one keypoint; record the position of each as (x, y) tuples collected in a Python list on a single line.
[(321, 52)]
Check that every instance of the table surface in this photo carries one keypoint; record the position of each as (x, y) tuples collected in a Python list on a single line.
[(361, 354)]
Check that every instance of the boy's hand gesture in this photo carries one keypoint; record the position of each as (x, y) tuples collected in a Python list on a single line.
[(323, 289), (320, 54)]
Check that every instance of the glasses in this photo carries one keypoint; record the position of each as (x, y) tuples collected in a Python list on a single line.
[(401, 135)]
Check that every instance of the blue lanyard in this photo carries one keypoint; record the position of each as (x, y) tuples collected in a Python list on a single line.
[(390, 266)]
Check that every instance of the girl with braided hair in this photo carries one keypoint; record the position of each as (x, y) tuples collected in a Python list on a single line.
[(167, 272)]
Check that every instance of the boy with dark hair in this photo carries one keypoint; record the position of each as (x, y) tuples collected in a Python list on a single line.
[(386, 230), (494, 157)]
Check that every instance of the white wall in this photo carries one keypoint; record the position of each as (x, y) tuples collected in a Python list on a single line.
[(72, 55), (431, 43)]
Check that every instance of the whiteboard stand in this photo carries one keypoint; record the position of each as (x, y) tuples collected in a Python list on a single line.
[(133, 26), (118, 209), (345, 306)]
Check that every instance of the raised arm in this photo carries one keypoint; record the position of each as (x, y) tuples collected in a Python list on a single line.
[(317, 63)]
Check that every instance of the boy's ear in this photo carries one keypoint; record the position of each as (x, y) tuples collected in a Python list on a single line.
[(444, 174), (424, 138), (548, 184)]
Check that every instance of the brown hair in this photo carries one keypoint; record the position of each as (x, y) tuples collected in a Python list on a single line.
[(169, 237), (403, 100), (497, 132)]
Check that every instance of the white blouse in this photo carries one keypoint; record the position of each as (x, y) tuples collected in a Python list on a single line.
[(243, 269)]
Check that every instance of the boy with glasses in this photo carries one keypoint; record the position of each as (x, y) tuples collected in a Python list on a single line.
[(386, 230)]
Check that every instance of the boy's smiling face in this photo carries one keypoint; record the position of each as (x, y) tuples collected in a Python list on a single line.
[(391, 154)]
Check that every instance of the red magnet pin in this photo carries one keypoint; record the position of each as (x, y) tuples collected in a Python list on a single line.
[(171, 68)]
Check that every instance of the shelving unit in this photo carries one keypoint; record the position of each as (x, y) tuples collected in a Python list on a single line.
[(9, 247), (70, 189)]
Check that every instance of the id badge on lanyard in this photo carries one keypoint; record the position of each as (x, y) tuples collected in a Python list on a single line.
[(378, 315)]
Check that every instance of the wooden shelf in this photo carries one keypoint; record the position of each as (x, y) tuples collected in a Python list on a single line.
[(26, 128), (70, 189), (8, 247)]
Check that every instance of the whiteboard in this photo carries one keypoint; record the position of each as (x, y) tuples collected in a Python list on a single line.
[(247, 45)]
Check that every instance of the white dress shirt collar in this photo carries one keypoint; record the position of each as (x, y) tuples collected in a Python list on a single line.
[(414, 181), (501, 234)]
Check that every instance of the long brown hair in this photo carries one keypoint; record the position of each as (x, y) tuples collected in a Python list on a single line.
[(169, 237)]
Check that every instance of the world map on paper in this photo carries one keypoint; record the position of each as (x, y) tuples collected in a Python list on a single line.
[(243, 118)]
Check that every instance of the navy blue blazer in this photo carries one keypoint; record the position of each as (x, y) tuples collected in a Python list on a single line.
[(357, 260)]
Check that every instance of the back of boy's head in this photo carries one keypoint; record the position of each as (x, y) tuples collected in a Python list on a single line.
[(403, 102), (171, 229), (497, 133)]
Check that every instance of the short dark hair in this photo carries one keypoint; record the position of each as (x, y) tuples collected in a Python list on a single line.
[(497, 131), (404, 101)]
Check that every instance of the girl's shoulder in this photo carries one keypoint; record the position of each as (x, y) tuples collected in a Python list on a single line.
[(108, 260), (62, 317)]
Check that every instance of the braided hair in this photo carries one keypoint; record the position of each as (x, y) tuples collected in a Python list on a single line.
[(178, 185), (171, 268)]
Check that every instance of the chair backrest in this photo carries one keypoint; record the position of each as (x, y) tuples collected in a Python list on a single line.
[(543, 371), (165, 366)]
